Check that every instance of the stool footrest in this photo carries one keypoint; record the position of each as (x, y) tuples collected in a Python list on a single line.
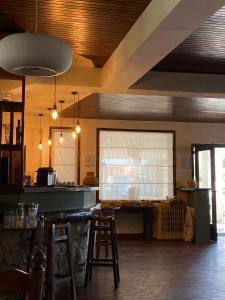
[(61, 238), (102, 264), (102, 260), (102, 228), (63, 278), (103, 242)]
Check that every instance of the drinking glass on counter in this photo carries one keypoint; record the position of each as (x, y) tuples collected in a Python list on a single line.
[(9, 219), (24, 217), (28, 211)]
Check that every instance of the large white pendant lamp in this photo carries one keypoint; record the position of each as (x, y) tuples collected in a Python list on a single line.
[(34, 54)]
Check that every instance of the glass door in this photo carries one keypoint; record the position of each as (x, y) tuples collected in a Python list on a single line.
[(204, 175)]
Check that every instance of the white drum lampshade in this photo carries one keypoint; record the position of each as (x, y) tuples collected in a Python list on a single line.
[(32, 54)]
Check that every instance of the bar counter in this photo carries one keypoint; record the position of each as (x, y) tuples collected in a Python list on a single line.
[(50, 199), (72, 204)]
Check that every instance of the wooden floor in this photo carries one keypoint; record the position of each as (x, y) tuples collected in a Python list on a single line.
[(162, 270)]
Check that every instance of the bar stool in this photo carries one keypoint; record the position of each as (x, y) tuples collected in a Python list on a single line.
[(52, 278), (102, 233)]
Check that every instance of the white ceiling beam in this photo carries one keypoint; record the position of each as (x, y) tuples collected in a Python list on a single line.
[(162, 27)]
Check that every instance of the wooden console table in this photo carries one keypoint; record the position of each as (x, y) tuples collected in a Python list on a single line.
[(147, 212)]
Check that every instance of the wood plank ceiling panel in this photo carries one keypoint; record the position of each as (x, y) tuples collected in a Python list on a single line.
[(149, 108), (202, 52), (92, 28)]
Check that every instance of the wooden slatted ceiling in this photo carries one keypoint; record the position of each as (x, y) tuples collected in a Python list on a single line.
[(7, 26), (149, 108), (92, 28), (202, 52)]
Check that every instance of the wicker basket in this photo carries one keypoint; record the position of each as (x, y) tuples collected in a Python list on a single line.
[(168, 221)]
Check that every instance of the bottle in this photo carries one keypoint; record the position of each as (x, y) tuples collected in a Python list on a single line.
[(18, 133), (17, 172)]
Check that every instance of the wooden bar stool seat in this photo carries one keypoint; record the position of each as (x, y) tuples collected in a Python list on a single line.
[(102, 234)]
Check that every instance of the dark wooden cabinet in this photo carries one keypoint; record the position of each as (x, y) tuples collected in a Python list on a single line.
[(12, 150)]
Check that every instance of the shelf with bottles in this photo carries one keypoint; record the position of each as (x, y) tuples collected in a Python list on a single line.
[(12, 151), (11, 128)]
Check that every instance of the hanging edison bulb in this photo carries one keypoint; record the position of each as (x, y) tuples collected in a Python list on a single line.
[(61, 138), (78, 129), (49, 141), (54, 108), (54, 112), (49, 123), (40, 146), (61, 134), (74, 135)]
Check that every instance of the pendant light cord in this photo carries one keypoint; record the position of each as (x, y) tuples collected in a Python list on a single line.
[(55, 91), (78, 107), (40, 128), (74, 109), (49, 113), (36, 15), (61, 117)]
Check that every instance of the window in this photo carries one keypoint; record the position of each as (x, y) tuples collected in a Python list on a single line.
[(64, 156), (135, 165)]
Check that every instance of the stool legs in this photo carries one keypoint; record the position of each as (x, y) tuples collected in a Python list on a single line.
[(50, 268), (106, 229), (90, 253)]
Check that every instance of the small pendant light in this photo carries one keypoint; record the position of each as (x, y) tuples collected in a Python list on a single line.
[(78, 129), (61, 134), (74, 135), (40, 146), (54, 108), (49, 120)]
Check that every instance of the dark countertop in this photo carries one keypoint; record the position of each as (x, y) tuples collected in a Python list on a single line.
[(50, 189), (53, 189)]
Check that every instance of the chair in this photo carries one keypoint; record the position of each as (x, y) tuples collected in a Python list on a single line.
[(23, 285), (52, 278)]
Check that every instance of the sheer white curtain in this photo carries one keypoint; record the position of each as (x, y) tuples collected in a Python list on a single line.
[(135, 165), (64, 156)]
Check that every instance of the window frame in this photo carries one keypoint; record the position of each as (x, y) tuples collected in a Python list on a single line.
[(98, 130), (78, 148)]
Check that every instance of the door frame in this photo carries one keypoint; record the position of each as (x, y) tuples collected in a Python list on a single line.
[(194, 160)]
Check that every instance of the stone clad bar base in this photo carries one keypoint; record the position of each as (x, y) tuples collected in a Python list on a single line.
[(14, 245)]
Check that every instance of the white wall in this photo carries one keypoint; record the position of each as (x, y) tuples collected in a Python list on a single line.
[(186, 134)]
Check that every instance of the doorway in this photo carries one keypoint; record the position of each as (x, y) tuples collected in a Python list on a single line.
[(209, 172), (220, 189)]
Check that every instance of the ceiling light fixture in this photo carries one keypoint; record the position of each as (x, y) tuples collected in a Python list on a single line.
[(54, 108), (49, 120), (34, 54), (40, 146), (74, 135), (61, 134), (78, 129)]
